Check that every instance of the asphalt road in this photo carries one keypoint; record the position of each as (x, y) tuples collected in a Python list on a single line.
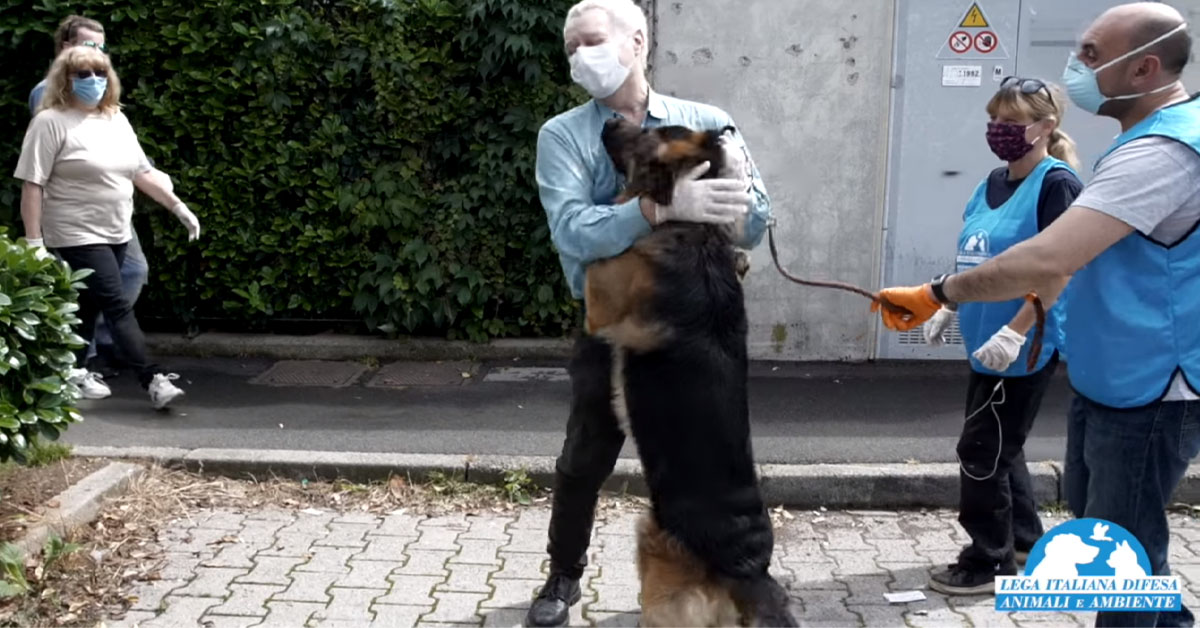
[(801, 414)]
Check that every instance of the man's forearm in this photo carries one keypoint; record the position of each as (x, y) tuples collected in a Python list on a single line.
[(31, 210), (1010, 275)]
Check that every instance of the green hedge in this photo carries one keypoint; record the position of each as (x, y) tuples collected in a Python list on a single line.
[(352, 159), (38, 301)]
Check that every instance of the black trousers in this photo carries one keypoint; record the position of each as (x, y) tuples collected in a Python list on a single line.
[(589, 453), (999, 510), (104, 294)]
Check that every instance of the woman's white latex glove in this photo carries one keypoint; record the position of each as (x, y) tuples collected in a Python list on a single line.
[(935, 327)]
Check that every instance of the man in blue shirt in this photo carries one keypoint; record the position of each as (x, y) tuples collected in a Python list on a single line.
[(607, 42), (75, 30)]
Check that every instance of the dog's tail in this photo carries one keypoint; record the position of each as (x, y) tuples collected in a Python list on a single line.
[(763, 601)]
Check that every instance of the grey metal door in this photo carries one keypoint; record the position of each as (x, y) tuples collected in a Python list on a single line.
[(949, 59)]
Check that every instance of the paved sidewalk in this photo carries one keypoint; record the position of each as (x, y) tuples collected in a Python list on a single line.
[(227, 569)]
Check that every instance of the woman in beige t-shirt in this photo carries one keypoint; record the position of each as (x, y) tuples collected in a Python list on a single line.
[(80, 163)]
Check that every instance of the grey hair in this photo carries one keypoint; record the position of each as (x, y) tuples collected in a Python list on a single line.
[(623, 13)]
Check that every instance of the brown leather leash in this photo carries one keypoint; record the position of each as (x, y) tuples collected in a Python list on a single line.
[(1035, 348), (836, 285)]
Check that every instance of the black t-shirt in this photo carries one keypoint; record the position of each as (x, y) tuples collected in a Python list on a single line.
[(1059, 189)]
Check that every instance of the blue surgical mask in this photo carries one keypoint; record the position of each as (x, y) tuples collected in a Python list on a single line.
[(1083, 88), (89, 90)]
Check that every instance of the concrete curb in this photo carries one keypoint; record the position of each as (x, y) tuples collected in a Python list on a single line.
[(345, 347), (80, 503), (853, 486)]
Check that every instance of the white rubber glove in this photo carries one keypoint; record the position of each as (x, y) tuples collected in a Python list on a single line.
[(188, 219), (716, 201), (935, 327), (1001, 350), (39, 248)]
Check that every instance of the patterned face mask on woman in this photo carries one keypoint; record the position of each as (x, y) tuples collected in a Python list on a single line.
[(1007, 140)]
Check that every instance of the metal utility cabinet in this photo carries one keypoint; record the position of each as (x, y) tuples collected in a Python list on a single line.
[(949, 58)]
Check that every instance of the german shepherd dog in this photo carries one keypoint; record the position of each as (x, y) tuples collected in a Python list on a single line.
[(671, 307)]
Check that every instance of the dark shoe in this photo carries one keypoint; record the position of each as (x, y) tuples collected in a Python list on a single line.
[(552, 607), (1022, 557), (959, 580)]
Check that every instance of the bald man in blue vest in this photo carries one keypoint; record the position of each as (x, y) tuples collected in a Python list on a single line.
[(1129, 246)]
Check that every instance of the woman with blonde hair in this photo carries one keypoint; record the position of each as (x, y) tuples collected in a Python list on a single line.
[(80, 162), (1013, 203)]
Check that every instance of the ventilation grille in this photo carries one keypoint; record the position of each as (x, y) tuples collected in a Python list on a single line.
[(917, 336)]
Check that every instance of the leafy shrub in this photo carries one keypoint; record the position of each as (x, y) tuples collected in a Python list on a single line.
[(38, 301), (348, 159)]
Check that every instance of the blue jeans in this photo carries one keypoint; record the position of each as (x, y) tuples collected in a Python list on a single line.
[(134, 272), (1123, 466)]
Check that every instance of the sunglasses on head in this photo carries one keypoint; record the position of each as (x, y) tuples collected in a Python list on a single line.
[(83, 74), (92, 44), (1026, 85)]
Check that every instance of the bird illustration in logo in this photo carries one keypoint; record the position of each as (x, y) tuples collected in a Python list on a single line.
[(1100, 532)]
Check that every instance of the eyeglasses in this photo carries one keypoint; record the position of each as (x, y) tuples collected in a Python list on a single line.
[(91, 44), (83, 74), (1027, 86)]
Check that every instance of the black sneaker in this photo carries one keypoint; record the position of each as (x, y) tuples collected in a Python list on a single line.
[(959, 580), (552, 607)]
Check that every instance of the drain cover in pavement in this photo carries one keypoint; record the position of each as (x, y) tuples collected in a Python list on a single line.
[(399, 374), (311, 373)]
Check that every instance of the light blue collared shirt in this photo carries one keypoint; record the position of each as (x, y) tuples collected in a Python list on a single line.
[(577, 183)]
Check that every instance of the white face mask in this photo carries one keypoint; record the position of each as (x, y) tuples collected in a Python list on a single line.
[(598, 69)]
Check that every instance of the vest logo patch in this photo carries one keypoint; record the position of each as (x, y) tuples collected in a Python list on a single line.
[(975, 250)]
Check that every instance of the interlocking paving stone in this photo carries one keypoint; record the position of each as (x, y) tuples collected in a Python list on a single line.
[(289, 614), (411, 591), (150, 594), (456, 608), (271, 570), (399, 616), (182, 611), (350, 605), (836, 567), (368, 574), (247, 600), (389, 549), (211, 582), (308, 586), (329, 559)]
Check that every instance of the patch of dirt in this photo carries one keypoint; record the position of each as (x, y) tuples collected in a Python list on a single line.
[(26, 492)]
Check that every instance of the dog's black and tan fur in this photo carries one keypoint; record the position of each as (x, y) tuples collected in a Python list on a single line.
[(673, 310)]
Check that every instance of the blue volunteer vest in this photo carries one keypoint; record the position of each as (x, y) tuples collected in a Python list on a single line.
[(985, 234), (1135, 309)]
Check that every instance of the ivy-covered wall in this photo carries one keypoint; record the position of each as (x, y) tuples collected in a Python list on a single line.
[(365, 160)]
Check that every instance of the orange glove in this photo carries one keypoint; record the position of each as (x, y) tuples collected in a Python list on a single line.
[(918, 300)]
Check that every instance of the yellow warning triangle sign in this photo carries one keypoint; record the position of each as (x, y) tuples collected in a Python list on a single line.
[(974, 18)]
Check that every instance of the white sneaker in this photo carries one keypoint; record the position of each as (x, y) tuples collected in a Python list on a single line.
[(162, 391), (89, 384)]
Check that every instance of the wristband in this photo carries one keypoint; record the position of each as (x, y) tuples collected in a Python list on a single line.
[(937, 286)]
